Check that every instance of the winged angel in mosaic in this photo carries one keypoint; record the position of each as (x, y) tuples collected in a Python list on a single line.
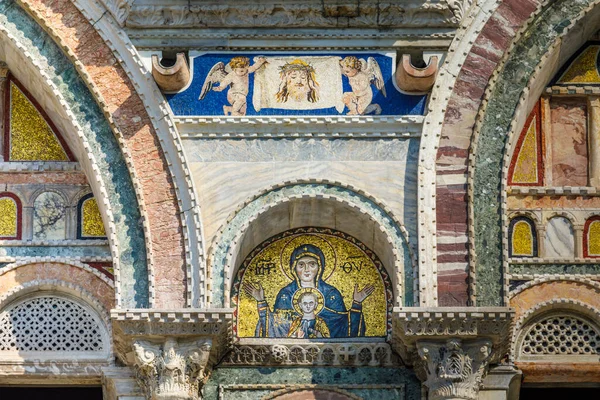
[(235, 76), (361, 75)]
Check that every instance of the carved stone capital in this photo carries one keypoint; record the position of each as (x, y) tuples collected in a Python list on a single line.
[(171, 351), (173, 369), (453, 369)]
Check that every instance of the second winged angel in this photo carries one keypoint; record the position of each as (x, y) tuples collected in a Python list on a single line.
[(235, 76), (361, 74)]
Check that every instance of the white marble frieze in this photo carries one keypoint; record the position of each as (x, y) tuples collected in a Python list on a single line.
[(226, 173)]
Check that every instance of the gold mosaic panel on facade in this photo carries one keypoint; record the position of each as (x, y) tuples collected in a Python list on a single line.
[(350, 272), (522, 239), (526, 166), (583, 69), (593, 239), (91, 219), (8, 217), (31, 138)]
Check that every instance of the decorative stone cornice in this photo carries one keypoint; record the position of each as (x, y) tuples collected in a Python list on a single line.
[(287, 13), (223, 127), (172, 370), (453, 369), (411, 325)]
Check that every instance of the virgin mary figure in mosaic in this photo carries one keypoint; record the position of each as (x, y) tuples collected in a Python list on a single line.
[(308, 307)]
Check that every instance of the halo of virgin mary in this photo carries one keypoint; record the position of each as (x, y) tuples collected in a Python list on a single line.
[(340, 321)]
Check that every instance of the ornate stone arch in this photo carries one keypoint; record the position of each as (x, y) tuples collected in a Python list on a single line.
[(228, 250), (52, 41), (69, 23), (78, 299), (511, 50)]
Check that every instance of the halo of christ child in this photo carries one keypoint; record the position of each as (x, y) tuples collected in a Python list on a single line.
[(309, 307)]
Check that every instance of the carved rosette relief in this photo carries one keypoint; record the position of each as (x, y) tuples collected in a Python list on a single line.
[(173, 370), (454, 369)]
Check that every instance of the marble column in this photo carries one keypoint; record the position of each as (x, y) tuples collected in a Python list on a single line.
[(578, 241), (541, 235), (594, 141)]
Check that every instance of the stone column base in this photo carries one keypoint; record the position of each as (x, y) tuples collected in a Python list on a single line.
[(501, 383), (119, 383)]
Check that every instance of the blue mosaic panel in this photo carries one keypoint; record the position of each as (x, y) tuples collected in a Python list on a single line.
[(239, 84)]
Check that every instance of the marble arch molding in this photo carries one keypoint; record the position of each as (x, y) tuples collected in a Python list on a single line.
[(498, 84), (312, 204), (90, 98)]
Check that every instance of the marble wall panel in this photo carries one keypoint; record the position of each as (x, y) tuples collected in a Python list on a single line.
[(49, 217), (569, 142), (228, 172), (559, 241)]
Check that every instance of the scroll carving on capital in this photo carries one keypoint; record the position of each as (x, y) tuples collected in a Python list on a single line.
[(172, 370), (454, 369)]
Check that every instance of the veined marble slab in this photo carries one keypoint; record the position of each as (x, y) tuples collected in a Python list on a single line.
[(228, 172), (559, 241)]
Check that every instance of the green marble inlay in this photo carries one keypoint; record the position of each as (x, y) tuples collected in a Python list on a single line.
[(55, 251), (230, 380), (104, 146), (544, 31), (552, 269)]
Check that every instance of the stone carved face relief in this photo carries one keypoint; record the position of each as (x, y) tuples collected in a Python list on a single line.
[(307, 269)]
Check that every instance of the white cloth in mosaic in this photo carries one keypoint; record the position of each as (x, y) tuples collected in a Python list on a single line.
[(299, 83)]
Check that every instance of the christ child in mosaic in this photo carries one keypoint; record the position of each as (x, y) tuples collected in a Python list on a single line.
[(308, 325), (361, 75), (234, 76)]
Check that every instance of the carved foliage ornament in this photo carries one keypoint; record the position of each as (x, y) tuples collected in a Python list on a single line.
[(172, 370), (412, 13), (454, 369)]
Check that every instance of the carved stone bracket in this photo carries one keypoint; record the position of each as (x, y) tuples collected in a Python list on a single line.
[(171, 351), (171, 79), (411, 325), (453, 369), (412, 79)]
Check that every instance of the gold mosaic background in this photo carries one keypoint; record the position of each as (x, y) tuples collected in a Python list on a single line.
[(8, 217), (526, 166), (583, 69), (346, 265), (522, 239), (92, 225), (594, 238), (31, 138)]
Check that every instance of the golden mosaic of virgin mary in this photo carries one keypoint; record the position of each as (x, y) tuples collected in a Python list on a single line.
[(330, 319)]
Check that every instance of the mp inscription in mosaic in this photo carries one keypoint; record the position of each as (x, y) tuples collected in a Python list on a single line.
[(312, 284), (294, 84)]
